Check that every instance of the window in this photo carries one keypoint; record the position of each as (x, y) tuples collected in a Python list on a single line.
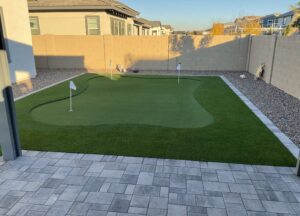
[(117, 26), (284, 20), (92, 25), (154, 33), (129, 29), (136, 30), (34, 25)]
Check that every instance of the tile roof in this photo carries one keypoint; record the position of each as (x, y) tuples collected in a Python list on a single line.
[(290, 13), (168, 27), (271, 16), (155, 23), (148, 22), (81, 4)]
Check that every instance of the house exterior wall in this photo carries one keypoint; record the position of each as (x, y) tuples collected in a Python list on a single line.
[(156, 31), (73, 23), (18, 39), (284, 21), (166, 31)]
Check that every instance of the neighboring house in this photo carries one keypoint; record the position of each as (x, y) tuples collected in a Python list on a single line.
[(285, 19), (276, 23), (15, 39), (167, 29), (141, 26), (81, 17), (156, 29), (270, 21)]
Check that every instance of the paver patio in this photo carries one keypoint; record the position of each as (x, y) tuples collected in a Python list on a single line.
[(45, 183)]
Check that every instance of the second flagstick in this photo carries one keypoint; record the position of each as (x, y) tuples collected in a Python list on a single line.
[(72, 86)]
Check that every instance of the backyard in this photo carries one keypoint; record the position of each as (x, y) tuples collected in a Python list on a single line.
[(149, 116)]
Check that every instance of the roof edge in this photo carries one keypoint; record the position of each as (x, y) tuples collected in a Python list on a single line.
[(64, 8)]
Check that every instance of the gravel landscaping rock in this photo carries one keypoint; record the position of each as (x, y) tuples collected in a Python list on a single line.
[(44, 78)]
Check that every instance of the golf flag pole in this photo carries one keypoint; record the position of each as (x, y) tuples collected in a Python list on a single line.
[(178, 68), (72, 86), (110, 70)]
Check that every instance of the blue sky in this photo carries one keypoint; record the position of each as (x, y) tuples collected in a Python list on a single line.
[(200, 14)]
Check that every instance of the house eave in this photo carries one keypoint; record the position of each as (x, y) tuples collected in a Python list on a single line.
[(79, 8)]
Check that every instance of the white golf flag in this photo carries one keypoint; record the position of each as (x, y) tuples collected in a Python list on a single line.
[(73, 86)]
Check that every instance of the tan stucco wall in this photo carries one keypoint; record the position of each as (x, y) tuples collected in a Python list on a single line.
[(207, 53), (18, 37), (143, 52), (199, 53), (73, 23)]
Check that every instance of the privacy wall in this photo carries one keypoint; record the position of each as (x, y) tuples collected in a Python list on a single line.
[(104, 53), (281, 56)]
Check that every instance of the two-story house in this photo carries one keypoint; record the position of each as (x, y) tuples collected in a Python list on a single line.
[(285, 19), (81, 17), (270, 21), (154, 28)]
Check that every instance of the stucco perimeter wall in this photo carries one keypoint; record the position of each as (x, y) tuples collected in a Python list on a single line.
[(282, 58), (209, 53), (219, 53), (262, 52), (286, 71), (15, 21)]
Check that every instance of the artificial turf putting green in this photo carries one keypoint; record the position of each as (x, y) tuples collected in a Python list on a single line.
[(153, 102), (150, 116)]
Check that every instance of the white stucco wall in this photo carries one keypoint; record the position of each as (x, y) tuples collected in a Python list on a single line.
[(15, 21)]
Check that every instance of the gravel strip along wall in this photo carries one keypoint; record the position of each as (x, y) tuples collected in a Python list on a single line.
[(43, 79)]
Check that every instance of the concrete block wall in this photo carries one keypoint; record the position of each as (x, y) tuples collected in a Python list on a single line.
[(286, 71), (281, 55), (103, 53), (262, 51), (282, 58)]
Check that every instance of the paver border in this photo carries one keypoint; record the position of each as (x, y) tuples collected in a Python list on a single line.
[(267, 122)]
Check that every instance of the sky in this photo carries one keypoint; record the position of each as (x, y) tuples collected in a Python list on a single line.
[(200, 14)]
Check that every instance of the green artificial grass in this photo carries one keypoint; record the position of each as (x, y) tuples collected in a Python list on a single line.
[(130, 100), (150, 116)]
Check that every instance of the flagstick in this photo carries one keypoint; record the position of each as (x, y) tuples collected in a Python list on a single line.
[(110, 70), (71, 110)]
